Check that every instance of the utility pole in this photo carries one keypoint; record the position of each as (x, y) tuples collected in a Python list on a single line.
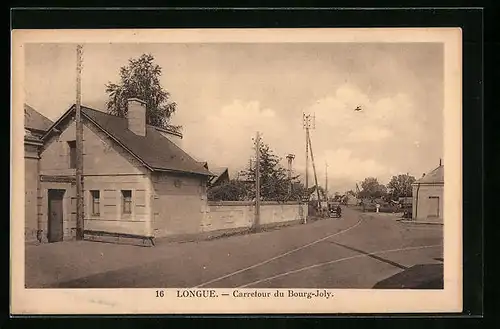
[(308, 123), (326, 181), (79, 148), (306, 127), (290, 158), (257, 182), (314, 169)]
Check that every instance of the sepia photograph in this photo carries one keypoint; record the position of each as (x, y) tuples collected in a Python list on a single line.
[(232, 169)]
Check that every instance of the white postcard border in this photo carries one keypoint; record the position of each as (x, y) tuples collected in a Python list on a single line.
[(143, 301)]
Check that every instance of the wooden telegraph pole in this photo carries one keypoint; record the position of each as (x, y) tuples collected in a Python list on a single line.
[(290, 158), (79, 148), (309, 123), (306, 122), (314, 169), (326, 181), (257, 182)]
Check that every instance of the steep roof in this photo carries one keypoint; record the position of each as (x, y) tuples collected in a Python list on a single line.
[(157, 152), (436, 176), (217, 172), (34, 120), (203, 163)]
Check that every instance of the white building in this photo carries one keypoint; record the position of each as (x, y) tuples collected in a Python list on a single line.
[(428, 196)]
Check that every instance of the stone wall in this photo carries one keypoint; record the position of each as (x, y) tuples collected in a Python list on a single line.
[(227, 215), (179, 203)]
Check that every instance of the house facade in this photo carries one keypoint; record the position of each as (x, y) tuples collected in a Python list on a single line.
[(137, 181), (351, 200), (35, 126), (428, 196)]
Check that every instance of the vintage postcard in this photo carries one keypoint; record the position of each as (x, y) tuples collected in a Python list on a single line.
[(236, 171)]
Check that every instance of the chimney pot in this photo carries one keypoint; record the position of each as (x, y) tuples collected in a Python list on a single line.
[(136, 116)]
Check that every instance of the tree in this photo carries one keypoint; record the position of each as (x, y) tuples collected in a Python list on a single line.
[(350, 192), (372, 189), (298, 190), (345, 199), (274, 181), (141, 79), (400, 186), (233, 190)]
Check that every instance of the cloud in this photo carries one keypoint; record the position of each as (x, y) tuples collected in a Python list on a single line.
[(369, 134), (387, 122), (342, 164), (223, 103), (355, 144), (370, 142), (389, 114), (225, 137)]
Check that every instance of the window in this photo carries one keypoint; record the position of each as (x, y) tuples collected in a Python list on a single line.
[(127, 201), (72, 154), (95, 202)]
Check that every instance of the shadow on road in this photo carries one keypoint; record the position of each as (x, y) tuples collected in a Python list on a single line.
[(422, 276), (371, 255)]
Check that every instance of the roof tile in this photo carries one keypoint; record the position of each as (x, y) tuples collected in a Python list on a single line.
[(155, 150), (34, 120), (433, 177)]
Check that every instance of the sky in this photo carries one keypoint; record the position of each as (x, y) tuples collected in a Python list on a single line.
[(226, 92)]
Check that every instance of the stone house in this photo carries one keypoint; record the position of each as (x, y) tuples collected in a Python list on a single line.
[(428, 196), (137, 181), (35, 126)]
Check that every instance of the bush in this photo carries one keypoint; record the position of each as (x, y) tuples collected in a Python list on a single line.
[(231, 191)]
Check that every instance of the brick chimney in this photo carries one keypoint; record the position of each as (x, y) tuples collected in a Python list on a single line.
[(136, 116)]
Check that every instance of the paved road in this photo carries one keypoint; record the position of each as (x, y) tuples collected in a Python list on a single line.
[(358, 251)]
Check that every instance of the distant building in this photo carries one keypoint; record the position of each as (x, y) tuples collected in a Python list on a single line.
[(428, 196), (351, 200), (405, 200), (220, 176)]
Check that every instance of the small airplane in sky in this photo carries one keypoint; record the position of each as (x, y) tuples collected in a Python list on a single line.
[(358, 108)]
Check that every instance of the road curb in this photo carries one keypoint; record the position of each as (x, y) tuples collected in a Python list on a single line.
[(419, 222)]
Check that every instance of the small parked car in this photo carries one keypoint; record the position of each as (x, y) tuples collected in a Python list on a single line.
[(334, 210)]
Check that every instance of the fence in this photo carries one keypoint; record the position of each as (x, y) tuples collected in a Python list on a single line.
[(228, 215)]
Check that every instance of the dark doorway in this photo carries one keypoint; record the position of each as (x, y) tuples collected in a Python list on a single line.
[(56, 230)]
